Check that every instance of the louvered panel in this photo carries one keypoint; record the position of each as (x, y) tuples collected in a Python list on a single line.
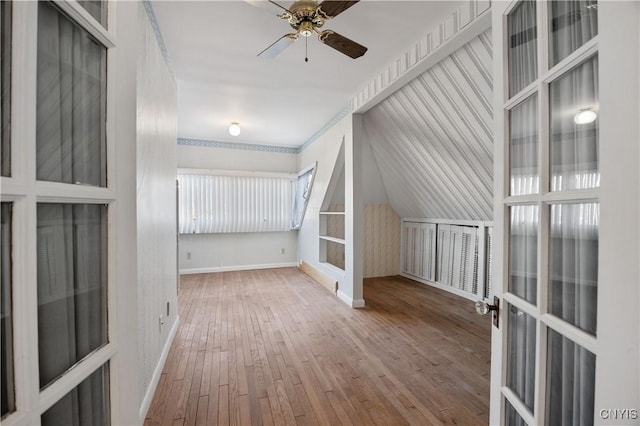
[(444, 255), (433, 142), (474, 276), (456, 257), (428, 236)]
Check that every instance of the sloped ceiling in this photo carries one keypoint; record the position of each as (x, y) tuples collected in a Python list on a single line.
[(433, 138)]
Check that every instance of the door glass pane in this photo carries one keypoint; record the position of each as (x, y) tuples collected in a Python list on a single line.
[(97, 9), (574, 128), (72, 285), (86, 404), (573, 263), (5, 86), (71, 96), (511, 416), (523, 252), (571, 373), (573, 23), (523, 51), (523, 148), (6, 315), (521, 355)]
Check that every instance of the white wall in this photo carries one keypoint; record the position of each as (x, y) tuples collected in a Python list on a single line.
[(156, 209), (202, 157), (220, 252), (227, 252), (325, 151), (124, 366)]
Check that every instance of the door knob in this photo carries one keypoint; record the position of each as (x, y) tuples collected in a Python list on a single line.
[(483, 308)]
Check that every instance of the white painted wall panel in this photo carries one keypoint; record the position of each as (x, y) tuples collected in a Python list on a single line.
[(237, 251), (433, 139), (219, 252), (156, 203)]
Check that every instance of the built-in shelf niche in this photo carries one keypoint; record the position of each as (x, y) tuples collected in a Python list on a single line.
[(332, 216)]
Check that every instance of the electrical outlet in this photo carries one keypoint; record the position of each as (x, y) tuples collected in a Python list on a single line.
[(168, 309), (282, 250), (188, 255)]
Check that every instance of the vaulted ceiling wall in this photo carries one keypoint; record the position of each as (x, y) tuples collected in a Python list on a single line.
[(433, 138)]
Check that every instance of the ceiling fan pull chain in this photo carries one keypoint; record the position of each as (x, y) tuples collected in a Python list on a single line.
[(306, 49)]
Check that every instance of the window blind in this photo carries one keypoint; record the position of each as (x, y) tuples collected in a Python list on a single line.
[(223, 204)]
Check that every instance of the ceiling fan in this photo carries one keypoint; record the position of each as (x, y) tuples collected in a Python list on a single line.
[(307, 17)]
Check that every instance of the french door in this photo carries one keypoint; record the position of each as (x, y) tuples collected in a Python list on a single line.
[(64, 357), (566, 213)]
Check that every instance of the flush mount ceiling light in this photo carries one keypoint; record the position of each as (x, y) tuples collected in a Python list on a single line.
[(234, 129), (585, 116)]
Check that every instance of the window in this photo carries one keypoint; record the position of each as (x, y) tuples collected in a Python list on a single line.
[(71, 104), (86, 404), (223, 202), (303, 193), (72, 299), (97, 9), (5, 86), (6, 315)]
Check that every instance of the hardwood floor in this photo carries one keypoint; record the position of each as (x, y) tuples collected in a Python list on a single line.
[(274, 347)]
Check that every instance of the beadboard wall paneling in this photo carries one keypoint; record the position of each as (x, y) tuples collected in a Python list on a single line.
[(381, 241), (433, 138), (156, 209)]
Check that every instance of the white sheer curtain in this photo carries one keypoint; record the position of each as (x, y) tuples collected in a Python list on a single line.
[(6, 314), (72, 285), (570, 382), (71, 102), (521, 360), (573, 23), (523, 53), (523, 148), (5, 87), (83, 405), (523, 252), (574, 147)]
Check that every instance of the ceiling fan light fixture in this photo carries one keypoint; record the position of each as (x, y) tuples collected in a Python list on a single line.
[(306, 29), (234, 129)]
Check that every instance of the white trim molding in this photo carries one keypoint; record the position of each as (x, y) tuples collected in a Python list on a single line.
[(354, 303), (238, 268), (465, 23), (151, 390)]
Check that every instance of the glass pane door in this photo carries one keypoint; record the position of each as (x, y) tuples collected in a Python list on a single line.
[(551, 213)]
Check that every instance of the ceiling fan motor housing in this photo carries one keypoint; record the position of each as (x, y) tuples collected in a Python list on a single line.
[(305, 17)]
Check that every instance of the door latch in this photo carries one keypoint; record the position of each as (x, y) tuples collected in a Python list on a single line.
[(483, 308)]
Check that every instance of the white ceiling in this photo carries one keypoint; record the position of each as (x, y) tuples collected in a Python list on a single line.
[(212, 47)]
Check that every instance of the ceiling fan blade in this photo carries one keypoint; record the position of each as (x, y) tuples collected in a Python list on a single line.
[(268, 5), (278, 47), (332, 8), (342, 44)]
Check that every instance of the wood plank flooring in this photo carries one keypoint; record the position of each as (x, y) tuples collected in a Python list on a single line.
[(273, 347)]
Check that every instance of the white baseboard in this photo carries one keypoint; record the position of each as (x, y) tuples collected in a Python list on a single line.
[(358, 303), (151, 390), (237, 268)]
